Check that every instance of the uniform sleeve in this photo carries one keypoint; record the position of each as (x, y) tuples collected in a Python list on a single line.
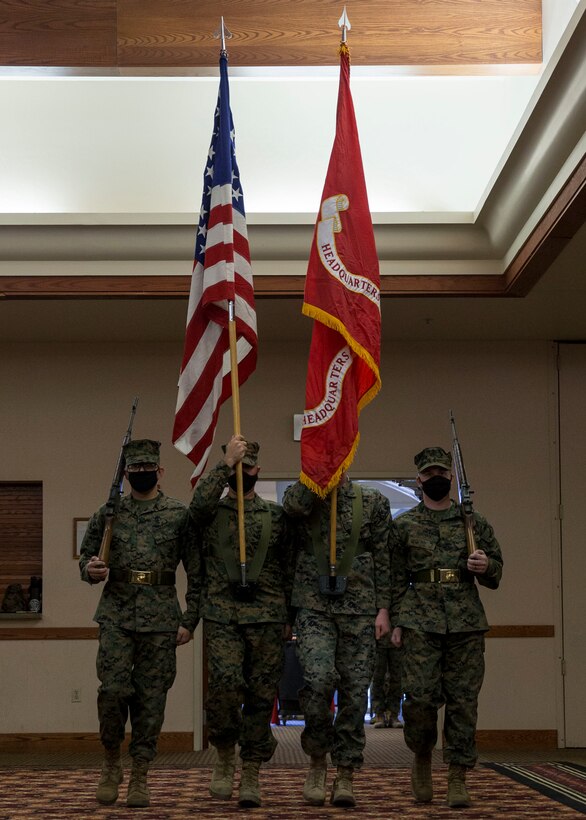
[(299, 500), (379, 531), (207, 493), (399, 569), (288, 556), (91, 545), (192, 563), (486, 540)]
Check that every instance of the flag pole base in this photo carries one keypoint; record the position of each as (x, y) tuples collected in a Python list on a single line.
[(332, 586), (245, 593)]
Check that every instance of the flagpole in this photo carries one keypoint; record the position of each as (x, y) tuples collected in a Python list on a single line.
[(333, 517), (236, 417), (344, 24), (223, 33)]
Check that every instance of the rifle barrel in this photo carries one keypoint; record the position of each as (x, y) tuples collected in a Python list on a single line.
[(116, 490), (464, 491)]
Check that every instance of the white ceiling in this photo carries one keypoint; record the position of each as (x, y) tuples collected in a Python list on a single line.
[(137, 145), (114, 151)]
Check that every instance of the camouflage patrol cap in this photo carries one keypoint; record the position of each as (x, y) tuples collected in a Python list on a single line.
[(251, 455), (433, 457), (141, 451)]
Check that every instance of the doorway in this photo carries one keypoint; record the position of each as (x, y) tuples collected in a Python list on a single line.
[(572, 438)]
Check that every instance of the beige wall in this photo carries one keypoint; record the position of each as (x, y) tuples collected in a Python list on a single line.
[(63, 413)]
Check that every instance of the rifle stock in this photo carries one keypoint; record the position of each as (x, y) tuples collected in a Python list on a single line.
[(464, 491), (116, 491), (104, 553)]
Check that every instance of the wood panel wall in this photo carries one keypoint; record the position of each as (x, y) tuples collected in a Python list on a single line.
[(21, 534), (179, 33)]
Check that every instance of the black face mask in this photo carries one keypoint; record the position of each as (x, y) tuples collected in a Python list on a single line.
[(248, 482), (144, 481), (437, 487)]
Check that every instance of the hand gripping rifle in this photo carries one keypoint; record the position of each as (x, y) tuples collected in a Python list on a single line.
[(116, 491), (464, 491)]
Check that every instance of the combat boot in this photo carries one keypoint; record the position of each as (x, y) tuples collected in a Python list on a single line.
[(138, 796), (249, 792), (342, 794), (458, 796), (380, 722), (314, 790), (421, 784), (222, 781), (110, 778)]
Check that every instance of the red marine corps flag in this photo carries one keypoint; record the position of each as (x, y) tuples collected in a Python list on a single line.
[(342, 294), (221, 285)]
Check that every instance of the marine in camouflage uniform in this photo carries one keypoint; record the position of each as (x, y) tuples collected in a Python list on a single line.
[(140, 619), (386, 692), (244, 638), (438, 617), (336, 635)]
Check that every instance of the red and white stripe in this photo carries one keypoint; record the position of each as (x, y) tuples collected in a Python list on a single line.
[(204, 381)]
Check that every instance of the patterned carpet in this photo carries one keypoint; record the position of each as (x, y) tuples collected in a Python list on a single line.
[(179, 793), (562, 781)]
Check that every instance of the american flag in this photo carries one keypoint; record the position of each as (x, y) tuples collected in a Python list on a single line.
[(221, 273)]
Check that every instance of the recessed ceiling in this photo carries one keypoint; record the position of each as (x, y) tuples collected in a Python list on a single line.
[(464, 162)]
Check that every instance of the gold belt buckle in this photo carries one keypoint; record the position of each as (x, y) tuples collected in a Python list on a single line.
[(449, 576), (138, 576)]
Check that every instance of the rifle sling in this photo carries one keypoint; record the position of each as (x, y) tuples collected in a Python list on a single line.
[(350, 550), (225, 548)]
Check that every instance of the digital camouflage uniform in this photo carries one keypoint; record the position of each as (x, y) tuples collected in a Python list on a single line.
[(138, 624), (336, 636), (443, 627), (244, 640), (386, 691)]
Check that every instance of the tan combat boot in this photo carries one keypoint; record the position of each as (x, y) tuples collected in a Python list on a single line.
[(380, 722), (138, 796), (222, 781), (249, 792), (314, 790), (421, 784), (342, 794), (458, 796), (110, 778)]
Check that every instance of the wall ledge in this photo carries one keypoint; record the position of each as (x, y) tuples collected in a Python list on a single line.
[(51, 742)]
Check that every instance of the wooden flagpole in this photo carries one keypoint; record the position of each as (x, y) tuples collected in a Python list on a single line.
[(236, 416), (333, 516), (222, 33), (344, 24)]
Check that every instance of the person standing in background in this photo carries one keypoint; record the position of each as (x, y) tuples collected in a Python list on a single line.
[(385, 691)]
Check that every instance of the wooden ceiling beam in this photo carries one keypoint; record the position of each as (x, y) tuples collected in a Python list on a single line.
[(179, 33)]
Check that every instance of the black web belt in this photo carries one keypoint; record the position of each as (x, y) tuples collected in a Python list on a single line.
[(152, 578)]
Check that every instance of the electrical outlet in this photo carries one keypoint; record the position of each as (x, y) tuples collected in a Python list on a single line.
[(76, 695)]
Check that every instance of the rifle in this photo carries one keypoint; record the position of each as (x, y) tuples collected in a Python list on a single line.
[(464, 491), (116, 491)]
